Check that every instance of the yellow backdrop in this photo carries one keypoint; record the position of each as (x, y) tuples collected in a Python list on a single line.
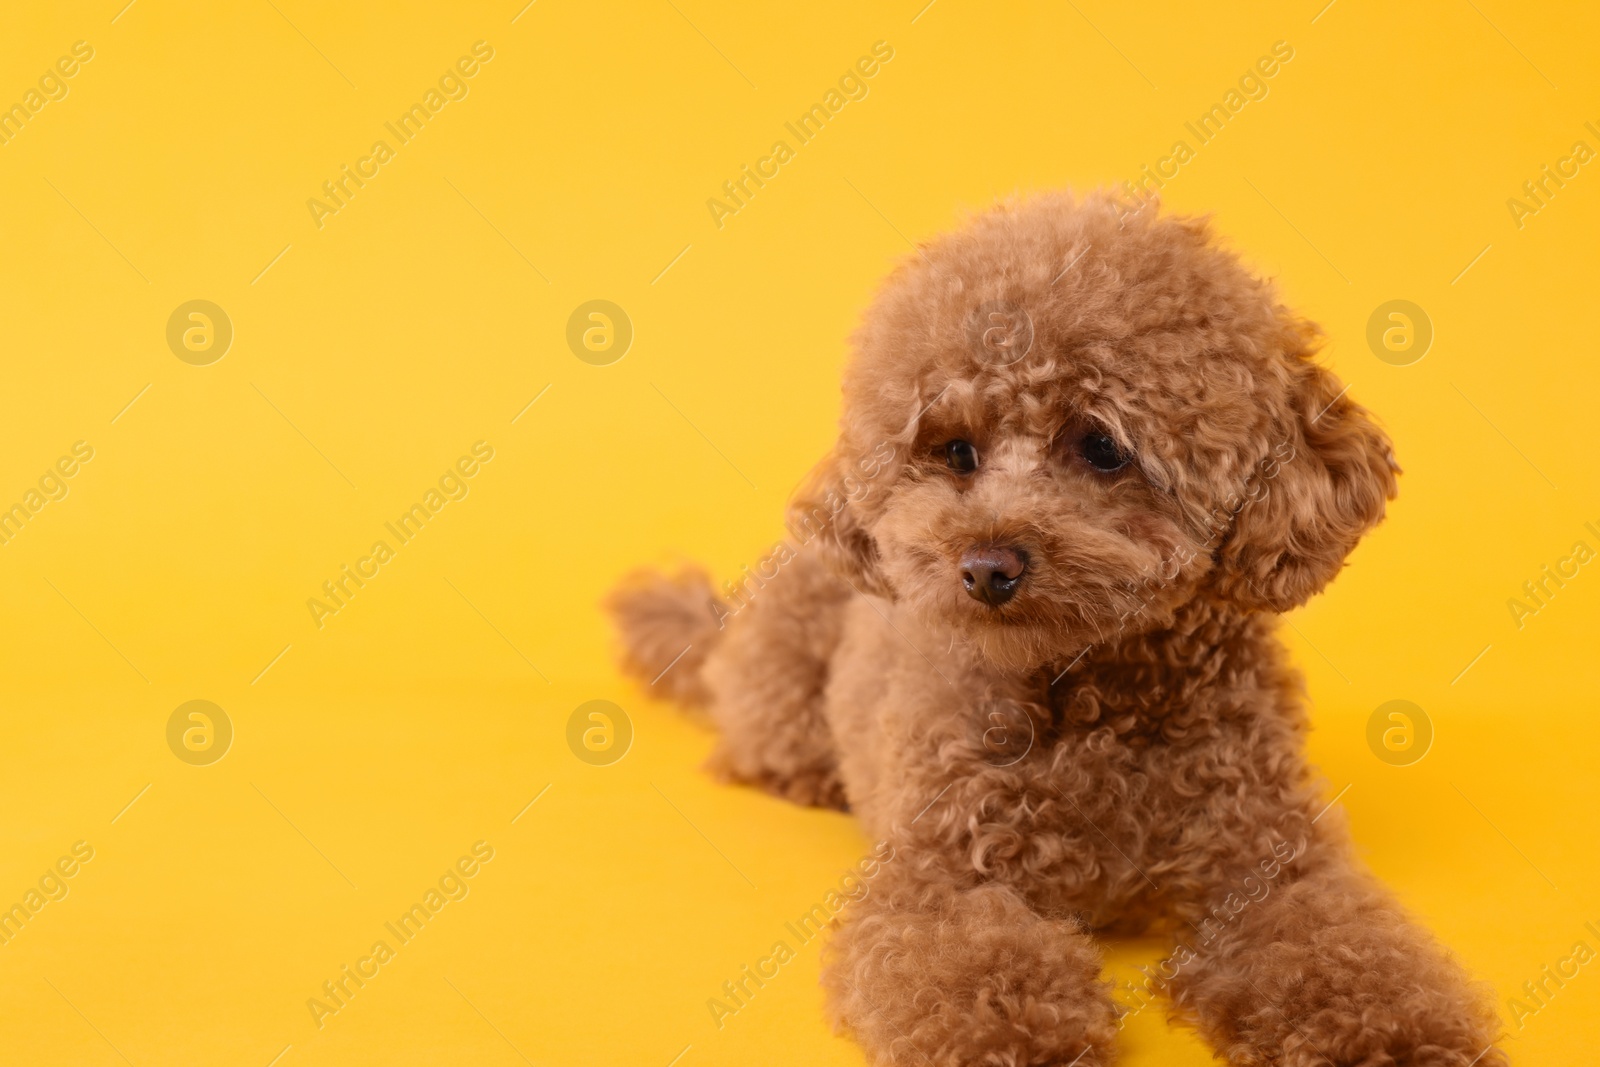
[(277, 272)]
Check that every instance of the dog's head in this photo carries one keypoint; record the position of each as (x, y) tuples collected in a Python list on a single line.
[(1068, 419)]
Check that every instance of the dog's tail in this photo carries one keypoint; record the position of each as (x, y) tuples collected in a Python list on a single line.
[(668, 626)]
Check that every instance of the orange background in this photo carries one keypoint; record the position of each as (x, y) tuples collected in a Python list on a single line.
[(369, 354)]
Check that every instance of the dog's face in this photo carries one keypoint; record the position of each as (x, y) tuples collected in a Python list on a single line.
[(1064, 422)]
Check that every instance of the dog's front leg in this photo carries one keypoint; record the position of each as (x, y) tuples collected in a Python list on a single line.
[(1321, 968), (926, 970)]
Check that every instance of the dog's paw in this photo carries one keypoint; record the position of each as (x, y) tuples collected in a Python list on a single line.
[(814, 785), (1373, 1039), (978, 979)]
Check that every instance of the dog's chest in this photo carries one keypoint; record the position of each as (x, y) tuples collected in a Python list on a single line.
[(1090, 795)]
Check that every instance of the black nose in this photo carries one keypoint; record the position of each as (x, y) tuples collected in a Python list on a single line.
[(992, 573)]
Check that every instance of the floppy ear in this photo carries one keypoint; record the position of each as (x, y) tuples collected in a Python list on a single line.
[(1332, 473), (826, 514)]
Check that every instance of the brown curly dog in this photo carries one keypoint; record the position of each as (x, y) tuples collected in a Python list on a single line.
[(1024, 629)]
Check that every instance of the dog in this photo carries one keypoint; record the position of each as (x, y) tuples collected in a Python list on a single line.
[(1024, 629)]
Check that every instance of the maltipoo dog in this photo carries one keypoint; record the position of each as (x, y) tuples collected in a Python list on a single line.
[(1025, 631)]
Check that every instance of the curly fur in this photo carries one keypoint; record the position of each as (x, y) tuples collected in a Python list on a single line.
[(1120, 746), (668, 627)]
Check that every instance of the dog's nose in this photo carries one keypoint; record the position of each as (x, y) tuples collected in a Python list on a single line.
[(991, 573)]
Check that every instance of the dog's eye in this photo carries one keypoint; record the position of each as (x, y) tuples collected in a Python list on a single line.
[(961, 456), (1102, 453)]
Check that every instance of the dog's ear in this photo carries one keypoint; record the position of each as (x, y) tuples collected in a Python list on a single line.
[(1323, 485), (827, 514)]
